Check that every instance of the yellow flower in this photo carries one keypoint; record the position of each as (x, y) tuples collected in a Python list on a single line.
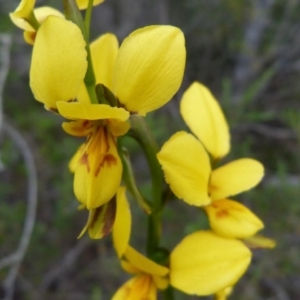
[(23, 12), (204, 263), (24, 9), (98, 167), (142, 78), (187, 166), (148, 277)]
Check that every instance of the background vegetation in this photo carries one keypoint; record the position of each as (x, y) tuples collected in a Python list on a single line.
[(248, 54)]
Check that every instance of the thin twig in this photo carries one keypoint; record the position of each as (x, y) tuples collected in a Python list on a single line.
[(14, 260), (277, 288), (24, 149), (8, 260), (65, 264), (5, 43)]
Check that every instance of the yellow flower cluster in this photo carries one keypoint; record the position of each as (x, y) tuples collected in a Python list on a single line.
[(187, 161), (142, 75)]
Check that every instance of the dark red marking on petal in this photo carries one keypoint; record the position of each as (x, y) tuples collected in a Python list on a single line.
[(110, 216), (109, 160), (222, 213), (84, 160), (85, 123), (98, 211), (32, 35)]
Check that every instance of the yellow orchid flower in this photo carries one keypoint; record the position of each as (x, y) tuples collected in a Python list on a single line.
[(98, 167), (204, 263), (24, 11), (141, 78), (189, 173), (148, 277), (190, 176)]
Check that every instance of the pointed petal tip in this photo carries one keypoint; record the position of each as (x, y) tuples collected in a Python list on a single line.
[(203, 115), (235, 177)]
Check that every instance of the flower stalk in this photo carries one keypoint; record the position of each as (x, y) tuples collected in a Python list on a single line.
[(130, 180), (73, 14), (33, 21), (144, 137), (87, 18)]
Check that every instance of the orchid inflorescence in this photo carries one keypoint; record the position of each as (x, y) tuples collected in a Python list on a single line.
[(104, 90)]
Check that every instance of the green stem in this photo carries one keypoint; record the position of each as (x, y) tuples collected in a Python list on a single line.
[(88, 16), (168, 293), (73, 13), (90, 79), (129, 178), (142, 134), (33, 21)]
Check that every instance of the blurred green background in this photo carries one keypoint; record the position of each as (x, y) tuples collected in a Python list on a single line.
[(248, 54)]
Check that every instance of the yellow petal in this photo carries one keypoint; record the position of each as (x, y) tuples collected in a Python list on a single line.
[(101, 220), (83, 4), (24, 9), (122, 227), (104, 51), (231, 219), (99, 170), (202, 113), (161, 282), (235, 177), (149, 68), (223, 294), (187, 168), (118, 128), (75, 158), (79, 128), (259, 241), (137, 288), (58, 63), (204, 263), (144, 264), (128, 267), (29, 37), (41, 13), (85, 111)]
